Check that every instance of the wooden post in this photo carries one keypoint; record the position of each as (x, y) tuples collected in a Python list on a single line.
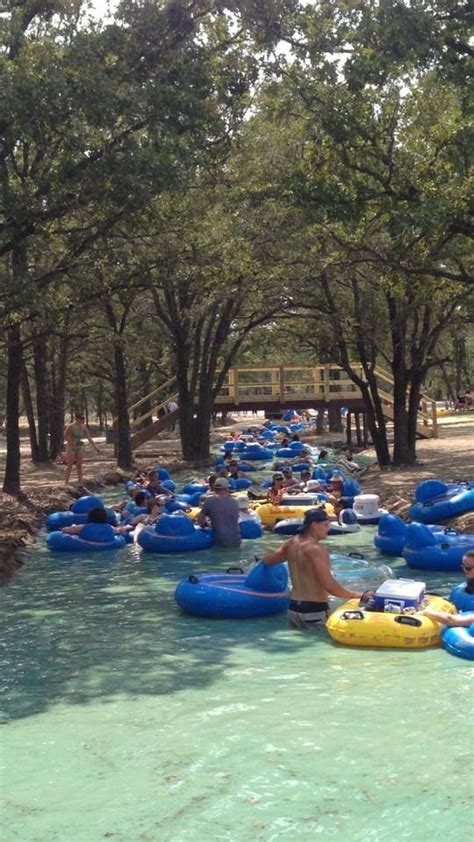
[(434, 418), (327, 393), (357, 426), (348, 428), (281, 375), (364, 422)]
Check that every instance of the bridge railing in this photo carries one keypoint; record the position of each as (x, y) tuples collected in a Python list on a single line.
[(285, 384)]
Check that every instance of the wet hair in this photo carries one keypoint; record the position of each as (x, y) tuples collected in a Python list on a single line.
[(469, 555), (314, 516), (211, 479), (295, 437), (140, 498), (97, 515), (322, 454)]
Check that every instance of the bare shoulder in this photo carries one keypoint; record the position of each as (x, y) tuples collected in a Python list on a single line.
[(318, 553)]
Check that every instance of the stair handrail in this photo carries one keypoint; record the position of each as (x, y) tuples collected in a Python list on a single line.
[(149, 396), (140, 418)]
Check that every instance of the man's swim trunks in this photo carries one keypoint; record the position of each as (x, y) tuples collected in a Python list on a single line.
[(307, 615)]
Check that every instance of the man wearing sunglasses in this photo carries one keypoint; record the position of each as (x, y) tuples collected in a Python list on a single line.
[(467, 617)]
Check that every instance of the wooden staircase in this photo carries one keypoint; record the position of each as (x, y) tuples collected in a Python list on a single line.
[(276, 388), (165, 422), (426, 413)]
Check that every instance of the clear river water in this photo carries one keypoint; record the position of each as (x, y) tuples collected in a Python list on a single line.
[(121, 718)]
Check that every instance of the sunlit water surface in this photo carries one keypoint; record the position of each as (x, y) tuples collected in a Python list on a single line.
[(122, 718)]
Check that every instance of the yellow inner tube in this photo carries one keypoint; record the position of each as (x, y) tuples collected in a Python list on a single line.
[(270, 514), (353, 626)]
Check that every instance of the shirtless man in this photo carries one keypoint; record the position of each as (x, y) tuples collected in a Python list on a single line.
[(310, 570)]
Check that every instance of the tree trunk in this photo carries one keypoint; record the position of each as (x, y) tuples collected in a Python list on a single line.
[(195, 435), (194, 419), (57, 403), (402, 451), (100, 410), (335, 419), (412, 415), (28, 403), (42, 395), (320, 421), (146, 389), (11, 481), (124, 451), (378, 431)]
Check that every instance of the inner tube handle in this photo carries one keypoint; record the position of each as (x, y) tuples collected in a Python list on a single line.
[(352, 615)]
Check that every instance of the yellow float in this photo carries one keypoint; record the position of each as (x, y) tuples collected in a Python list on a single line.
[(193, 513), (354, 626), (270, 514)]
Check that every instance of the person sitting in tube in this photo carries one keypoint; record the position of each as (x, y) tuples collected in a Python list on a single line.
[(234, 472), (303, 457), (346, 461), (155, 487), (290, 482), (276, 490), (154, 506), (305, 478), (97, 515), (339, 506), (467, 617), (335, 488), (245, 512)]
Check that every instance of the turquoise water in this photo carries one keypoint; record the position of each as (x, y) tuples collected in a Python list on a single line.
[(122, 718)]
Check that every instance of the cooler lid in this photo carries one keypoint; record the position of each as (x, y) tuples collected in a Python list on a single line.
[(401, 588)]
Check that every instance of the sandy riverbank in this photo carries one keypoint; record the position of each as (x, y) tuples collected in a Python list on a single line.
[(449, 457)]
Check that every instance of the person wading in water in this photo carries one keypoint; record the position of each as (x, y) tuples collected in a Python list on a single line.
[(310, 570)]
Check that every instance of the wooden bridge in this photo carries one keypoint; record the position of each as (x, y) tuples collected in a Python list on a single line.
[(275, 389)]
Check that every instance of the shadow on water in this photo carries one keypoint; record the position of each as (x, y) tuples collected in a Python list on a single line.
[(77, 631)]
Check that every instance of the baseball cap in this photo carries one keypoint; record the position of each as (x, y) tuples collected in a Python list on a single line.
[(315, 516), (221, 482), (243, 502)]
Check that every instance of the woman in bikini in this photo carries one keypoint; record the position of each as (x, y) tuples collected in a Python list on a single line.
[(74, 446)]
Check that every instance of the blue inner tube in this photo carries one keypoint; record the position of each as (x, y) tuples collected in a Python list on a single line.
[(235, 595), (437, 501), (390, 538), (58, 520), (175, 534), (256, 453), (162, 473), (463, 600), (239, 484), (93, 537), (440, 550), (459, 641), (250, 528), (85, 504)]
